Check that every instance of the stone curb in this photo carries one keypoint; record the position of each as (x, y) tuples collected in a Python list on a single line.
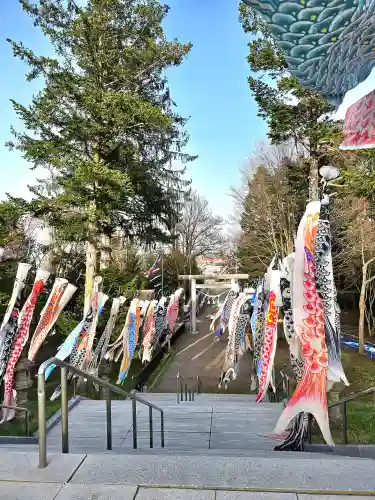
[(18, 440), (348, 450)]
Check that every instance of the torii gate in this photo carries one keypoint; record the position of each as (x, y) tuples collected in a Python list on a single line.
[(193, 288)]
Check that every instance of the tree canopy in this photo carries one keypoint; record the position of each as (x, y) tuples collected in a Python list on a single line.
[(104, 125)]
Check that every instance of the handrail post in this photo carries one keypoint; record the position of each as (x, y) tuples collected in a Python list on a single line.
[(42, 422), (162, 427), (178, 388), (189, 394), (151, 429), (108, 406), (345, 422), (64, 411), (186, 391), (65, 368), (134, 411)]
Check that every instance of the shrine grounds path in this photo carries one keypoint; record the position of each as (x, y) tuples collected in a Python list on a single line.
[(200, 355)]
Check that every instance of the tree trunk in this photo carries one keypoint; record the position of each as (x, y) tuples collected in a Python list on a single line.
[(90, 274), (313, 180), (361, 330), (91, 251), (105, 252)]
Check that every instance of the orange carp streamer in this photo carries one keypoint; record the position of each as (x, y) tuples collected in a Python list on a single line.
[(310, 395)]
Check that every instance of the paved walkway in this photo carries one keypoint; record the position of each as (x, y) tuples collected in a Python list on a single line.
[(144, 477), (200, 355), (38, 491)]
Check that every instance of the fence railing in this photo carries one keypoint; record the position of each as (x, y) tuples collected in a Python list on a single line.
[(64, 369), (187, 388), (344, 404)]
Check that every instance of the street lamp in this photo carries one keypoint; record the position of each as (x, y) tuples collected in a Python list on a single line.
[(329, 173)]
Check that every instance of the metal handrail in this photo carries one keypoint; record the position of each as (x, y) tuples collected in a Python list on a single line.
[(64, 368), (20, 408), (199, 385), (343, 402), (283, 378), (357, 395), (182, 389)]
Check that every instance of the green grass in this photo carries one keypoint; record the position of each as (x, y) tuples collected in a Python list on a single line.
[(155, 377), (360, 371), (17, 427)]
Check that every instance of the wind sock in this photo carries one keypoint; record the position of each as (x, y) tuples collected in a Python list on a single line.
[(327, 45), (19, 342), (217, 315), (310, 395), (155, 267), (288, 323), (270, 338), (103, 342), (19, 284), (261, 323), (148, 331), (173, 309), (325, 287), (138, 322), (160, 318), (61, 293), (253, 321), (81, 353), (358, 128), (144, 306), (226, 311), (66, 348), (239, 322), (129, 340), (10, 327)]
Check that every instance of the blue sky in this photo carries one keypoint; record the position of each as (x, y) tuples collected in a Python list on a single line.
[(210, 87)]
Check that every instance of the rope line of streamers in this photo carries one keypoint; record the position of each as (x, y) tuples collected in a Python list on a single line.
[(213, 298)]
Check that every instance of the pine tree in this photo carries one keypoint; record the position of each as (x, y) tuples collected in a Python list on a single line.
[(104, 124)]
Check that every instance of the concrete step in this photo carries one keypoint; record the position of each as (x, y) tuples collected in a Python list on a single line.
[(211, 471), (292, 473), (100, 448), (235, 426), (35, 491), (148, 477)]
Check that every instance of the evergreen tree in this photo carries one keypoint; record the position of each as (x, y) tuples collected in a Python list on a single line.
[(104, 124)]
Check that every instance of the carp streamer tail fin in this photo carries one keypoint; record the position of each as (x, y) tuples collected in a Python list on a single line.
[(309, 397)]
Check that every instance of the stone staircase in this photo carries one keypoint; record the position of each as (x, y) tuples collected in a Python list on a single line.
[(211, 423), (215, 449)]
